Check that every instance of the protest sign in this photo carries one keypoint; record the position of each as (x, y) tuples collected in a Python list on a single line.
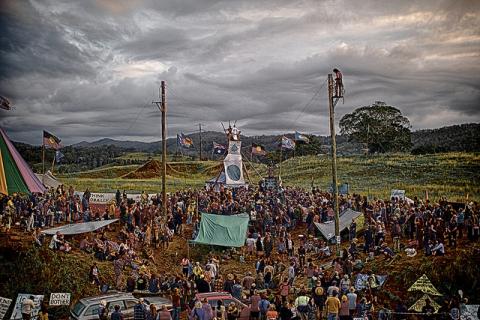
[(400, 194), (469, 312), (424, 285), (4, 305), (362, 281), (17, 310), (59, 299)]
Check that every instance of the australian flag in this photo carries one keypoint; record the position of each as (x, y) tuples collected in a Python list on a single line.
[(218, 148)]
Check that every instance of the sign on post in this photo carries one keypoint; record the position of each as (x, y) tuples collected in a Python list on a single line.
[(59, 299), (17, 310), (4, 305), (400, 194)]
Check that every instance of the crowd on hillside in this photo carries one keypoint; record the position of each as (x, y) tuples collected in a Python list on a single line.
[(292, 274)]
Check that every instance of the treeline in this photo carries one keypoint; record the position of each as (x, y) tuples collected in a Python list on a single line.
[(74, 158), (464, 137)]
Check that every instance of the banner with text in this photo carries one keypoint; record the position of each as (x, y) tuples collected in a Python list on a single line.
[(59, 299), (17, 310)]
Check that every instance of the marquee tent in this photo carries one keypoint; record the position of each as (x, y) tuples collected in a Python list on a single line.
[(15, 174), (328, 229), (48, 179), (219, 230)]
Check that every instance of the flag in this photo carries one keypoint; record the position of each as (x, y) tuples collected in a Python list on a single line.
[(5, 103), (59, 156), (258, 150), (301, 137), (288, 143), (218, 148), (49, 140), (184, 141)]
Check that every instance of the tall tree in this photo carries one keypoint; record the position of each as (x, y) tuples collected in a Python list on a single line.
[(381, 127)]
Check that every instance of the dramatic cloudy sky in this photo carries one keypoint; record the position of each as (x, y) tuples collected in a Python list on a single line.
[(90, 69)]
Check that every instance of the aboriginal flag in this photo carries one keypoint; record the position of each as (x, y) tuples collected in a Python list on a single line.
[(49, 140), (258, 150)]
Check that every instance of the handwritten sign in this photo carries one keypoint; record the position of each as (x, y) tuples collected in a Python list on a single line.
[(59, 299), (17, 310), (4, 305)]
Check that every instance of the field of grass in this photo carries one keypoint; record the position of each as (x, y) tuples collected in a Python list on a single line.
[(453, 175)]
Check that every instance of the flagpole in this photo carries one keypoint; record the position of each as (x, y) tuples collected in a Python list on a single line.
[(281, 158), (53, 162), (43, 163)]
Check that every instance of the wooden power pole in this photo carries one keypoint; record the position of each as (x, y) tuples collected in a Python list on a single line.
[(200, 136), (334, 161), (162, 105)]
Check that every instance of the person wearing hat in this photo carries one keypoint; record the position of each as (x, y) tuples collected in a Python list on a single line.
[(352, 301), (318, 295), (344, 313)]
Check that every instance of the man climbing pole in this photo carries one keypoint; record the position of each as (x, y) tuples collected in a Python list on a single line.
[(338, 84)]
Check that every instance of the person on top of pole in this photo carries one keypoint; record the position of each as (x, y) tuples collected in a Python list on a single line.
[(338, 83)]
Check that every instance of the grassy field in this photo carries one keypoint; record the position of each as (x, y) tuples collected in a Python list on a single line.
[(453, 175)]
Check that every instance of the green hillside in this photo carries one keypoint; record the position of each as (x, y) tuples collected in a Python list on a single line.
[(453, 175)]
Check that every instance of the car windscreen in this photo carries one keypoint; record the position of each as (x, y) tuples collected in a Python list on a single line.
[(78, 308)]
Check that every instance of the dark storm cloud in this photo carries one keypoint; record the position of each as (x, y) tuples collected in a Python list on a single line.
[(91, 69)]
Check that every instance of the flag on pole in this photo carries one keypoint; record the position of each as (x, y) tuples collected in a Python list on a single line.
[(301, 137), (5, 103), (184, 141), (49, 140), (258, 150), (288, 143), (218, 148), (59, 156)]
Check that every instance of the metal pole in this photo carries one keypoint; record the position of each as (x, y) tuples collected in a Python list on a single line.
[(334, 162), (164, 150)]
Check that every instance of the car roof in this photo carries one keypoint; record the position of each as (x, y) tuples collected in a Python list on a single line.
[(212, 294), (107, 296)]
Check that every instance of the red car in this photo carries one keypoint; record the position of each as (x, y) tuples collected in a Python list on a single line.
[(226, 298)]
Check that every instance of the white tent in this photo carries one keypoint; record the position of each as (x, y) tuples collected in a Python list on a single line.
[(48, 179)]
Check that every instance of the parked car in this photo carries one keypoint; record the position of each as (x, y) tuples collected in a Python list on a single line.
[(226, 298), (87, 308)]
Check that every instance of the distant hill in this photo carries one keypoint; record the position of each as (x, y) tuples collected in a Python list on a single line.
[(90, 155), (464, 137)]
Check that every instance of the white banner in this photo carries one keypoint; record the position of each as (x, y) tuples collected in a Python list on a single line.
[(17, 311), (59, 299), (103, 198), (4, 305), (233, 164), (400, 194)]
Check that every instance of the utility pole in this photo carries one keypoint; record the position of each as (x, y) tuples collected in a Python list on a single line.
[(334, 162), (162, 105), (200, 130)]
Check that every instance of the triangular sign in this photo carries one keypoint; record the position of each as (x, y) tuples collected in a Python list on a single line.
[(424, 285), (417, 306)]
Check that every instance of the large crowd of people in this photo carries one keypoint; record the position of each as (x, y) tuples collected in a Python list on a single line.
[(294, 271)]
